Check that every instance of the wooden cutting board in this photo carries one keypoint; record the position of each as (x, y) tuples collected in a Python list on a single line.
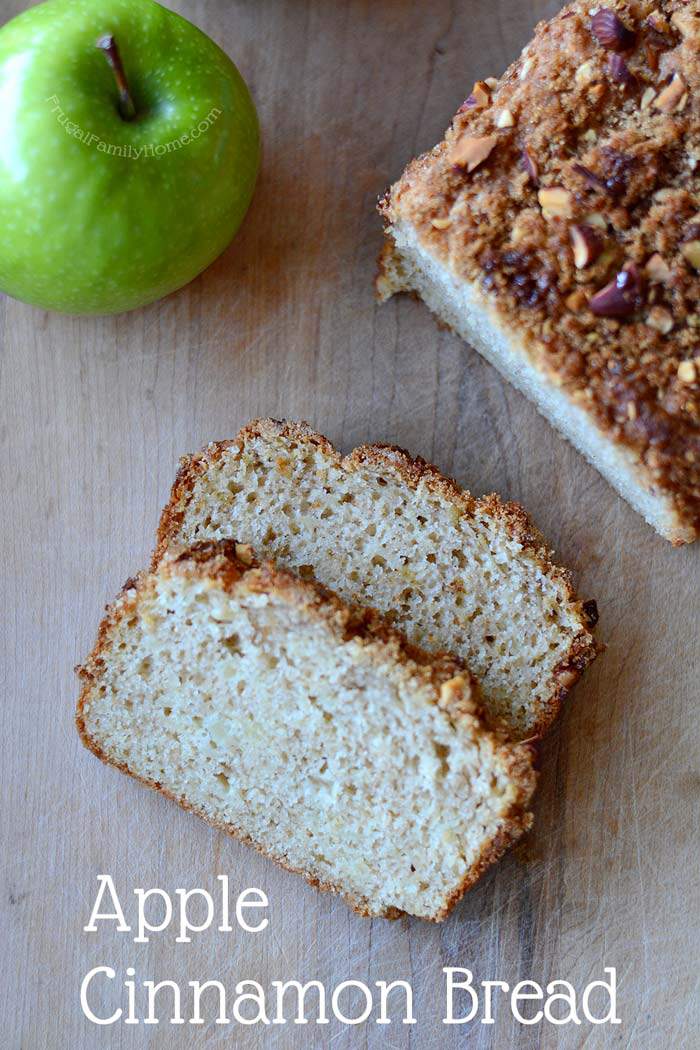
[(95, 414)]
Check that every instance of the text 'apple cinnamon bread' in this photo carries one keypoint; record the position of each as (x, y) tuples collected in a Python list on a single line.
[(468, 576), (307, 728), (557, 229)]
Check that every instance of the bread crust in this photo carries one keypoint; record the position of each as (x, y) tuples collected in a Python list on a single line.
[(232, 567), (412, 472), (619, 156)]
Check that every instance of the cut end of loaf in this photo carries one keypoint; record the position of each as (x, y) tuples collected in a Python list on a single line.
[(469, 576), (556, 231), (405, 265), (307, 728)]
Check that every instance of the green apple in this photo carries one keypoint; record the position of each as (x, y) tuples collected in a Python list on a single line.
[(129, 149)]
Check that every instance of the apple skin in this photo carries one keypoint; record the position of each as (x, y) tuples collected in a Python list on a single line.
[(86, 231)]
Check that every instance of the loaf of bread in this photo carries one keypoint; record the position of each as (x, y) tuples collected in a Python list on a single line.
[(309, 729), (468, 576), (557, 229)]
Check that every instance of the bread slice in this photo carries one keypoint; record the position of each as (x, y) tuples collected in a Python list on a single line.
[(469, 576), (307, 728), (557, 229)]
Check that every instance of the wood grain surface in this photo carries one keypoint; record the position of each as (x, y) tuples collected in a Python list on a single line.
[(96, 412)]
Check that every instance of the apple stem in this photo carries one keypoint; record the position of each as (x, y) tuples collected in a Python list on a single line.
[(127, 109)]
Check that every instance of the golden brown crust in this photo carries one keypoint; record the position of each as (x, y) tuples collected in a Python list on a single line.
[(193, 465), (413, 472), (221, 562), (597, 175)]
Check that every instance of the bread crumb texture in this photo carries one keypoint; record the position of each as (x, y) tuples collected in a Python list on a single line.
[(307, 728), (468, 576), (581, 224)]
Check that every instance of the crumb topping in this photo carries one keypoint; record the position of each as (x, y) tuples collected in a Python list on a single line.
[(570, 191)]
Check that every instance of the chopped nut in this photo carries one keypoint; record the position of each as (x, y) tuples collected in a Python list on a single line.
[(647, 98), (610, 32), (686, 23), (441, 224), (479, 97), (525, 68), (587, 245), (596, 92), (596, 218), (631, 410), (586, 72), (567, 677), (593, 180), (672, 95), (491, 82), (656, 22), (691, 253), (530, 164), (589, 608), (665, 194), (652, 55), (657, 269), (657, 37), (660, 319), (621, 297), (556, 202), (469, 152), (620, 72), (505, 119), (687, 372)]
